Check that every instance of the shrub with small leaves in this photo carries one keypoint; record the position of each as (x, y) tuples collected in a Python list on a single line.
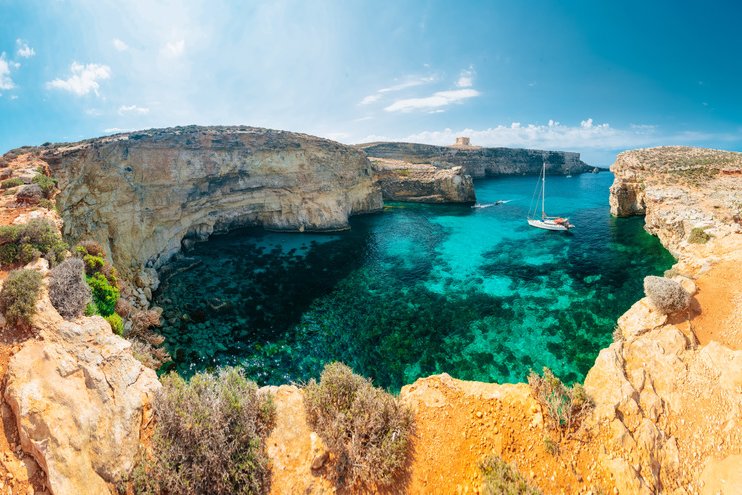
[(68, 290), (117, 324), (667, 295), (47, 184), (26, 242), (105, 295), (9, 183), (501, 478), (698, 235), (209, 436), (367, 429), (18, 296), (565, 407)]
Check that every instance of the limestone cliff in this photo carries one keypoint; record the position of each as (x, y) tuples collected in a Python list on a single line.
[(481, 162), (141, 194), (422, 182)]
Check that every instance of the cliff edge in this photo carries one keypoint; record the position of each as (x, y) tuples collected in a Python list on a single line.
[(481, 162)]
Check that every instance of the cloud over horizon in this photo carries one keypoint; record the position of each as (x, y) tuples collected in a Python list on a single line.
[(83, 80), (435, 101)]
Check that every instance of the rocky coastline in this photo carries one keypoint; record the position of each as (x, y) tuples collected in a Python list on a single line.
[(667, 392)]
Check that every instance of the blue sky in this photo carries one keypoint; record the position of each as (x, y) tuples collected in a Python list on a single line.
[(589, 76)]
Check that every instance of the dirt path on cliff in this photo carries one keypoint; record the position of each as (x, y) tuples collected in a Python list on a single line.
[(720, 300)]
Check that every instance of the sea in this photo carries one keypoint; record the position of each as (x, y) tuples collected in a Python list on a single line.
[(416, 290)]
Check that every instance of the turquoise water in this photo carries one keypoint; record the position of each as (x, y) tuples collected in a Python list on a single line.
[(416, 290)]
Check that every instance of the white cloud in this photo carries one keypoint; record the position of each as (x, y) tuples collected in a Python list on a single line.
[(24, 50), (113, 130), (466, 78), (174, 48), (83, 80), (93, 112), (436, 100), (409, 82), (120, 45), (6, 82), (133, 110)]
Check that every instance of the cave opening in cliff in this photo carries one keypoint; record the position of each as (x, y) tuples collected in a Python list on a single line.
[(414, 291)]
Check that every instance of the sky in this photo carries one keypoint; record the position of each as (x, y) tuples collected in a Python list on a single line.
[(596, 77)]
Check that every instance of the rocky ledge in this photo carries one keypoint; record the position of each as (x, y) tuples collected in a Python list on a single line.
[(422, 182), (141, 194), (481, 162)]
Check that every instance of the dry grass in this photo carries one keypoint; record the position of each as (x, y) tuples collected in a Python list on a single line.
[(667, 295), (209, 437), (565, 407), (500, 478), (68, 291), (365, 428)]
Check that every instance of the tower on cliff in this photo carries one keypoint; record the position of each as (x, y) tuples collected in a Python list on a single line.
[(463, 142)]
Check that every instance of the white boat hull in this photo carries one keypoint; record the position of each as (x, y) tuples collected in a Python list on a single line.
[(547, 225)]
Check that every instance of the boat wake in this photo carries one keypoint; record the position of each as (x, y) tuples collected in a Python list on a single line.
[(496, 203)]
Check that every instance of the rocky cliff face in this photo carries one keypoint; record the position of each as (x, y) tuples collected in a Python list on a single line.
[(141, 194), (480, 162), (422, 182)]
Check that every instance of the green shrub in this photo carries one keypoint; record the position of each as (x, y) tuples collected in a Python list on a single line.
[(209, 436), (117, 324), (68, 290), (93, 264), (24, 243), (367, 429), (47, 184), (48, 204), (9, 183), (698, 236), (500, 478), (18, 296), (91, 309), (105, 295), (565, 407)]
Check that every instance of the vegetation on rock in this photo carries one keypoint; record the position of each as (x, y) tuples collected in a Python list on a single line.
[(68, 290), (18, 296), (367, 429), (500, 478), (117, 324), (698, 236), (667, 295), (209, 437), (46, 183), (9, 183), (565, 407), (101, 277), (27, 242)]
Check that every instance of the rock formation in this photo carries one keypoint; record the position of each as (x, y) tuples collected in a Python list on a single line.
[(141, 194), (480, 162), (422, 182)]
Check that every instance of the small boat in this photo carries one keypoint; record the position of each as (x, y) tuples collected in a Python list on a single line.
[(545, 222)]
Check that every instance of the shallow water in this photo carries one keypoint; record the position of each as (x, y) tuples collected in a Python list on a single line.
[(417, 290)]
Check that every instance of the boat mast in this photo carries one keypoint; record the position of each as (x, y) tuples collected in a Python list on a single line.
[(543, 192)]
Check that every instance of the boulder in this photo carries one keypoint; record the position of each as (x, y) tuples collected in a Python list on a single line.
[(30, 194), (80, 399)]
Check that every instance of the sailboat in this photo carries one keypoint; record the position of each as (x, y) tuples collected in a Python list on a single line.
[(546, 222)]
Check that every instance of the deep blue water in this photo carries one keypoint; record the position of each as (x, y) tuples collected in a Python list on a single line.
[(416, 290)]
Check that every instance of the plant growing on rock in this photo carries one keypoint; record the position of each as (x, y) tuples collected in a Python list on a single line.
[(667, 295), (102, 279), (117, 324), (68, 290), (10, 183), (209, 436), (19, 295), (501, 478), (24, 243), (698, 235), (46, 183), (565, 407), (367, 430)]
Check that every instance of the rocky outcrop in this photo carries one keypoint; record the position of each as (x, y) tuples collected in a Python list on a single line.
[(80, 400), (141, 194), (481, 162), (422, 182)]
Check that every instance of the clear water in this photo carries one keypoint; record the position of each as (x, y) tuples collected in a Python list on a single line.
[(416, 290)]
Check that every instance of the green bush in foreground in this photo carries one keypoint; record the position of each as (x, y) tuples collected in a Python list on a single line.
[(105, 295), (209, 437), (500, 478), (18, 296), (367, 429)]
